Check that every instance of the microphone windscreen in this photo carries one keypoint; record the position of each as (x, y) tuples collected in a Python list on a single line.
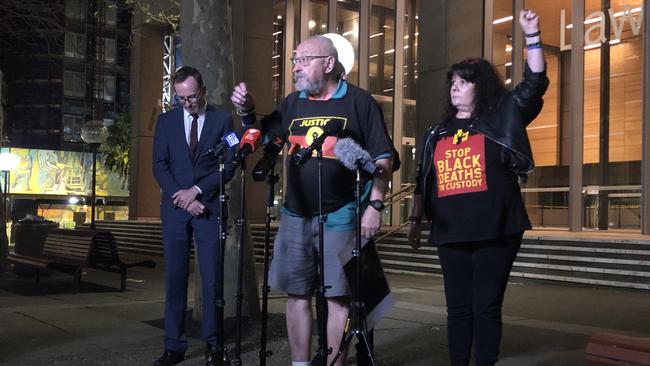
[(251, 138), (349, 153)]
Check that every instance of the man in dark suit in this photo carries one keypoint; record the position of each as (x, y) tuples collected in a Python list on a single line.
[(189, 206)]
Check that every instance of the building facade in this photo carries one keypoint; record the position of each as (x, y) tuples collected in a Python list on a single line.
[(71, 64), (590, 143)]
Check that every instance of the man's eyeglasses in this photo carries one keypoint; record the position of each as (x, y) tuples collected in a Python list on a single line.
[(183, 100), (305, 60)]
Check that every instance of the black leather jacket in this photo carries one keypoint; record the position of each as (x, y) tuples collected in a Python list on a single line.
[(504, 124)]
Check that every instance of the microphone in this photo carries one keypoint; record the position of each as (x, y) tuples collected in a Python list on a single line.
[(267, 162), (331, 129), (249, 142), (353, 157), (227, 141)]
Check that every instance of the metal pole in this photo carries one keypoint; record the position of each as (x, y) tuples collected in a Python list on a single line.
[(4, 240), (603, 166), (576, 104), (92, 202), (6, 206)]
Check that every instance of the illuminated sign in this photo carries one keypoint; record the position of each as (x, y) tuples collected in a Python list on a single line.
[(595, 34)]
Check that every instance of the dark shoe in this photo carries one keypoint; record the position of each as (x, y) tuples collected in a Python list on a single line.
[(169, 358), (212, 355)]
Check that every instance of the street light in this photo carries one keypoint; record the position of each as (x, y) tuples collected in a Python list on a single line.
[(8, 162), (94, 133)]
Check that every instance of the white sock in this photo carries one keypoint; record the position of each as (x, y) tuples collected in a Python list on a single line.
[(300, 363)]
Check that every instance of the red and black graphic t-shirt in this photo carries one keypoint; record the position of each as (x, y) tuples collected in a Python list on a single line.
[(460, 164), (359, 117), (476, 197)]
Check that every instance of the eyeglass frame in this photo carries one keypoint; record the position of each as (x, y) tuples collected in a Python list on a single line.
[(192, 98), (305, 60)]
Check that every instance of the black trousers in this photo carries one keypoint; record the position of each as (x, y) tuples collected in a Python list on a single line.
[(475, 278)]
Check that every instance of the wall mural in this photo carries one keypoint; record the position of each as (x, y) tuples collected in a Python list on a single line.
[(53, 172)]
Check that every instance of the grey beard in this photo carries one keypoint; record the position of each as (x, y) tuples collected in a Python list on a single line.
[(310, 87)]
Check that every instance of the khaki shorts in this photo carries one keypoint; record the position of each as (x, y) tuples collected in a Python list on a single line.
[(294, 267)]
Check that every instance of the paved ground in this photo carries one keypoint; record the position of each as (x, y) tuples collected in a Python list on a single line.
[(544, 323)]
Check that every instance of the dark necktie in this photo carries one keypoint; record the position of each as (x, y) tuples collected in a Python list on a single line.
[(194, 134)]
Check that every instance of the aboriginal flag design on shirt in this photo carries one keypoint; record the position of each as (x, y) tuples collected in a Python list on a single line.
[(460, 164), (303, 131)]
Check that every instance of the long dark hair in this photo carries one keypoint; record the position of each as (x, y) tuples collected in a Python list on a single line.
[(488, 85)]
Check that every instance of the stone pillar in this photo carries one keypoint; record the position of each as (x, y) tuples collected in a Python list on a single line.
[(207, 44)]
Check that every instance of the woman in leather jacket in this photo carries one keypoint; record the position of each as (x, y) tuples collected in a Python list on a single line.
[(468, 189)]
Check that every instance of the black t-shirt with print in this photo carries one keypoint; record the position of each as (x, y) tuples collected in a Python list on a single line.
[(360, 118), (476, 197)]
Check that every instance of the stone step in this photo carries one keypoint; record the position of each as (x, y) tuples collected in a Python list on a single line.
[(612, 263)]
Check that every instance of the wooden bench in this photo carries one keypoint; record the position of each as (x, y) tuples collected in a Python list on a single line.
[(608, 349), (64, 251), (105, 256)]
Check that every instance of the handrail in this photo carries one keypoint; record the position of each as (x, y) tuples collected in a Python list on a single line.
[(394, 198), (391, 232), (405, 191)]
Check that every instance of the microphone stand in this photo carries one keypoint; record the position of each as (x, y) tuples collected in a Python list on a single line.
[(323, 349), (236, 361), (219, 303), (357, 318), (271, 179)]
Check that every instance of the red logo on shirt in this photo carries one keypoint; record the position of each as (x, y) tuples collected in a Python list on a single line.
[(303, 131), (460, 164)]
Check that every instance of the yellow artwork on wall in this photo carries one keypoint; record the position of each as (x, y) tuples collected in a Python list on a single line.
[(53, 172)]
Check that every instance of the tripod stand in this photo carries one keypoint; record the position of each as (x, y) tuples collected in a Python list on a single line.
[(357, 318), (323, 349), (236, 360), (271, 180)]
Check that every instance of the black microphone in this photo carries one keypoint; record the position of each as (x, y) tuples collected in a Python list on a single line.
[(227, 141), (331, 129), (353, 157), (249, 142), (267, 162)]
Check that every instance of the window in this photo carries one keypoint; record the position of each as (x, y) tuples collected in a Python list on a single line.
[(72, 128), (75, 9), (109, 88), (347, 20), (73, 84), (317, 17), (75, 45), (111, 12), (109, 50)]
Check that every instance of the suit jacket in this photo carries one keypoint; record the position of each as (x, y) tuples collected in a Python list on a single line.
[(173, 168)]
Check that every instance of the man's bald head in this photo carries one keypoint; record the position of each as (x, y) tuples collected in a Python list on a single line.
[(323, 45)]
